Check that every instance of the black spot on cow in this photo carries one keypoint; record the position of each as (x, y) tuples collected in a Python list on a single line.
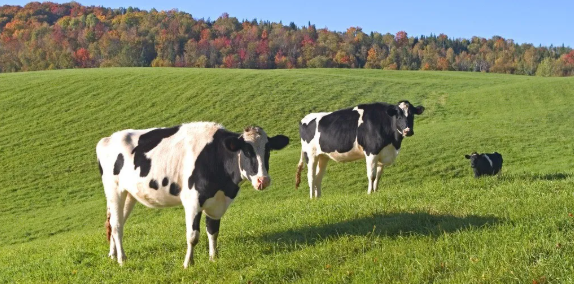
[(307, 131), (195, 227), (216, 168), (377, 129), (153, 184), (212, 225), (119, 164), (146, 143), (196, 221), (174, 189), (100, 166), (164, 182), (128, 139), (306, 157), (338, 131), (252, 164)]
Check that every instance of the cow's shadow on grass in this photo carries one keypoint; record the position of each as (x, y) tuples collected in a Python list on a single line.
[(537, 176), (381, 225)]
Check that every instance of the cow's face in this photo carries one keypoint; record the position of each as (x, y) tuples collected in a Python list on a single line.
[(474, 158), (403, 116), (254, 148)]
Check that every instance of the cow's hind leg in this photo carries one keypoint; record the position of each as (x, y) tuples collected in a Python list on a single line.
[(116, 201), (321, 167), (372, 161), (192, 219), (128, 206), (113, 252), (212, 228), (311, 173)]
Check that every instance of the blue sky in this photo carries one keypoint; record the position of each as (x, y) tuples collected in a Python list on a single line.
[(537, 22)]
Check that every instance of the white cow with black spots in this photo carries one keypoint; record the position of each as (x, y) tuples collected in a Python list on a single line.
[(370, 131), (198, 165)]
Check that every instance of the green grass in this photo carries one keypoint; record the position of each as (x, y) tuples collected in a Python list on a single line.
[(430, 221)]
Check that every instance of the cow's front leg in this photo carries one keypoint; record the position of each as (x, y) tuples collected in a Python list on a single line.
[(212, 227), (380, 168), (192, 219), (371, 170)]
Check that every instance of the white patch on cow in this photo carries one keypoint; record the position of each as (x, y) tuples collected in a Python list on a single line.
[(405, 107), (488, 159), (312, 116), (360, 111), (216, 206), (146, 196), (356, 153), (257, 138), (388, 155), (212, 245)]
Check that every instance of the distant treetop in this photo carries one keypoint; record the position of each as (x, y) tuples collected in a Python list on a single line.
[(47, 35)]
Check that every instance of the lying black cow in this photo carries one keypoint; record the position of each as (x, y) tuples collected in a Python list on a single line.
[(485, 164)]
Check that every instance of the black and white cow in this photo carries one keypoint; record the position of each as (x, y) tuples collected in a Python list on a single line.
[(372, 131), (485, 164), (199, 165)]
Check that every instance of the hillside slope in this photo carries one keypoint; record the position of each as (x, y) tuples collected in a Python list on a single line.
[(429, 221)]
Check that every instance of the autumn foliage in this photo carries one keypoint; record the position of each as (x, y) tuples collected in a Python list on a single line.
[(47, 35)]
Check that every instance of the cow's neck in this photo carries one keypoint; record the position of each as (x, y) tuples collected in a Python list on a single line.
[(396, 138), (397, 141)]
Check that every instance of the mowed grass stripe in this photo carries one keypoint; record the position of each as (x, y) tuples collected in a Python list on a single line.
[(430, 221)]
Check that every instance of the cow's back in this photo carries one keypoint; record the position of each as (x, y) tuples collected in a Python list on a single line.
[(156, 162)]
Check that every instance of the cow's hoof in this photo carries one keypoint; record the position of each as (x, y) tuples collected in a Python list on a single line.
[(122, 260), (187, 264)]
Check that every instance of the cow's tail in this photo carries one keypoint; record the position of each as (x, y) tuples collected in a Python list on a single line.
[(299, 169), (108, 226)]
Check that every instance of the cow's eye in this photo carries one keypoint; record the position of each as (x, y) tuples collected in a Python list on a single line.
[(248, 151)]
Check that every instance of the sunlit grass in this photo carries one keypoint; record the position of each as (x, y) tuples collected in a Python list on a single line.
[(430, 221)]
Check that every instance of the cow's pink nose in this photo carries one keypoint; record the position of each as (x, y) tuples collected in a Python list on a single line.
[(262, 182), (406, 131)]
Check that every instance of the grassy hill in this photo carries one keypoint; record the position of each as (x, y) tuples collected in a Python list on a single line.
[(430, 221)]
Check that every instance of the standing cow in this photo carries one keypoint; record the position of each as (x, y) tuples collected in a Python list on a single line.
[(199, 165), (485, 164), (372, 131)]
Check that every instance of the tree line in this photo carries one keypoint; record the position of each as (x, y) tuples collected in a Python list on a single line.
[(47, 35)]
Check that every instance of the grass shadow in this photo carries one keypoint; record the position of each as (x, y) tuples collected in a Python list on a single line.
[(537, 176), (390, 225)]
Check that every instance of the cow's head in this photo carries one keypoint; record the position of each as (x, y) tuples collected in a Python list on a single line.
[(474, 159), (254, 148), (403, 117)]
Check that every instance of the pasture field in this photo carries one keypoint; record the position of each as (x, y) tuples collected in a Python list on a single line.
[(430, 221)]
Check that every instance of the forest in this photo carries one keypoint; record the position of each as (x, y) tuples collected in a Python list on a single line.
[(43, 36)]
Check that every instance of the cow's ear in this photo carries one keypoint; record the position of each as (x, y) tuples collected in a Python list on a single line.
[(467, 156), (392, 111), (419, 110), (278, 142), (234, 144)]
